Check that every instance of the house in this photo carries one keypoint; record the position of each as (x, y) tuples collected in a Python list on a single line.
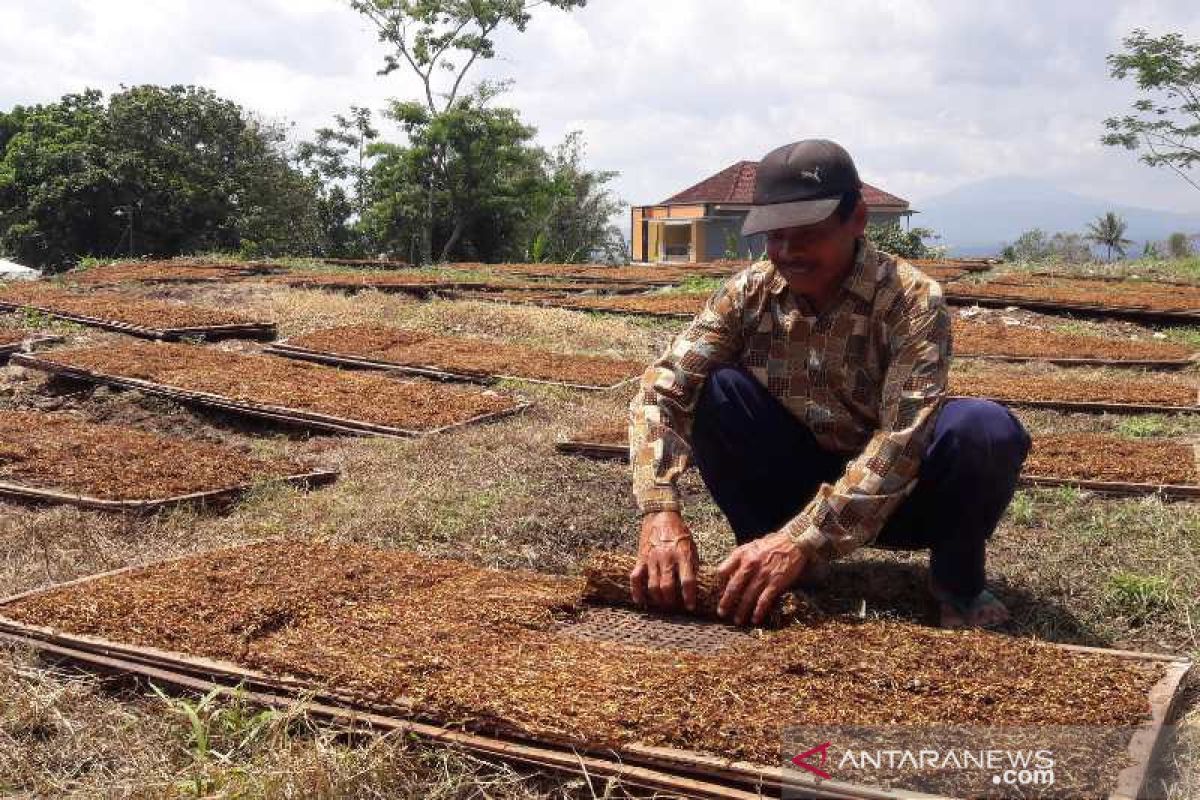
[(704, 222)]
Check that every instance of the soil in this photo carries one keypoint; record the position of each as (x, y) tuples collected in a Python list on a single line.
[(485, 648), (64, 453), (478, 357), (111, 306), (1094, 457), (1005, 384), (1116, 295), (996, 338), (269, 380), (168, 271)]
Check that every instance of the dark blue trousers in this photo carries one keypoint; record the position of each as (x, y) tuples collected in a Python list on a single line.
[(762, 467)]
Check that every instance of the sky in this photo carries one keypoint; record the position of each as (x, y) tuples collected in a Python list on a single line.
[(926, 95)]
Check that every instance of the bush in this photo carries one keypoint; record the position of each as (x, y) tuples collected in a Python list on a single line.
[(891, 238)]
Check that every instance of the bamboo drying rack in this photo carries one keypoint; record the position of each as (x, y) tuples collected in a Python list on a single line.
[(210, 497), (681, 772), (290, 416), (245, 330), (422, 370)]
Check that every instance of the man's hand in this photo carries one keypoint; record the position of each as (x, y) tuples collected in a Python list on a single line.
[(755, 574), (667, 563)]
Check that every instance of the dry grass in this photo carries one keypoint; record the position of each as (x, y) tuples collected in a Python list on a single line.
[(499, 495)]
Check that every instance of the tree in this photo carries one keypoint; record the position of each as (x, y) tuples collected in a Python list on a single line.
[(1179, 245), (574, 217), (443, 39), (1108, 231), (337, 159), (480, 209), (195, 170), (891, 238), (1036, 245), (1167, 119)]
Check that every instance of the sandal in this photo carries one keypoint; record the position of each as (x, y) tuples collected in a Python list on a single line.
[(968, 609)]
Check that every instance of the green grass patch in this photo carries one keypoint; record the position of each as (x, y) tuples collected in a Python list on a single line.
[(1141, 427), (1139, 597), (1189, 336)]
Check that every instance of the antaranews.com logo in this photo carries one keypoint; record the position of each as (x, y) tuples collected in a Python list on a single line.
[(1007, 767)]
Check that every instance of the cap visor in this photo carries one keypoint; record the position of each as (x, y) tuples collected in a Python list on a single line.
[(788, 215)]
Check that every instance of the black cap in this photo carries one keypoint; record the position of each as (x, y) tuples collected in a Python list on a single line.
[(800, 184)]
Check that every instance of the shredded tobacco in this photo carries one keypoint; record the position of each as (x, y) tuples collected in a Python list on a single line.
[(12, 336), (995, 338), (1007, 384), (1081, 456), (168, 271), (484, 649), (1095, 457), (469, 356), (269, 380), (155, 314), (1117, 295), (65, 453)]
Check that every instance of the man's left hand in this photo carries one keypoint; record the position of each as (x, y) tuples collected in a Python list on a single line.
[(756, 574)]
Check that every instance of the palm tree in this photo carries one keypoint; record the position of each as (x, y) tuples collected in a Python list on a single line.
[(1109, 231)]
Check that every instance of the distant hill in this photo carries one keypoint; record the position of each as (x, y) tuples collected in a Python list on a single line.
[(981, 217)]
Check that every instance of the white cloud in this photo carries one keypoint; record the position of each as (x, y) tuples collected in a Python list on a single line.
[(927, 95)]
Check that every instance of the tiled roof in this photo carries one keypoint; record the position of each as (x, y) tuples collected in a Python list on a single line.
[(735, 184)]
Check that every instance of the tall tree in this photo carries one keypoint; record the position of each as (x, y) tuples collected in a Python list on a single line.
[(337, 159), (489, 172), (575, 210), (440, 41), (1167, 119), (1109, 231)]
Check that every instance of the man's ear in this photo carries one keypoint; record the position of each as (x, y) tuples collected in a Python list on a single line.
[(858, 219)]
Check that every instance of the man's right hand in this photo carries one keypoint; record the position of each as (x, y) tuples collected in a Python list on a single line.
[(667, 563)]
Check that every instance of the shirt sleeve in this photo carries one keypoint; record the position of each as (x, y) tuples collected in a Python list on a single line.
[(661, 413), (851, 512)]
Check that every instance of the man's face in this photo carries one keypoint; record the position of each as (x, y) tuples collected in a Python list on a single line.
[(812, 258)]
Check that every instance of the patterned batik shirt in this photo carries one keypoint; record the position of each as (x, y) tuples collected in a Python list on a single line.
[(867, 377)]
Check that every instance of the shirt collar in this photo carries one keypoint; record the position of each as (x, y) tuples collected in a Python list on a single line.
[(861, 281)]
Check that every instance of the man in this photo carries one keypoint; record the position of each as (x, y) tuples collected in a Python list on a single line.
[(810, 393)]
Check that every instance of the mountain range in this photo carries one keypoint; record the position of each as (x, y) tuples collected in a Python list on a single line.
[(979, 218)]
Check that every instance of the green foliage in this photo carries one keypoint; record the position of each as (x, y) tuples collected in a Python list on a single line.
[(1036, 245), (1186, 335), (1179, 245), (445, 37), (1166, 122), (463, 183), (337, 161), (572, 209), (1139, 597), (1140, 427), (186, 169), (891, 238), (1022, 510), (1108, 231)]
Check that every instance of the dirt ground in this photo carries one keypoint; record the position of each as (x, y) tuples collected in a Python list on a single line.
[(1072, 566)]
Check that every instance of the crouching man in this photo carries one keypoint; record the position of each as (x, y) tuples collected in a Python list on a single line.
[(810, 394)]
